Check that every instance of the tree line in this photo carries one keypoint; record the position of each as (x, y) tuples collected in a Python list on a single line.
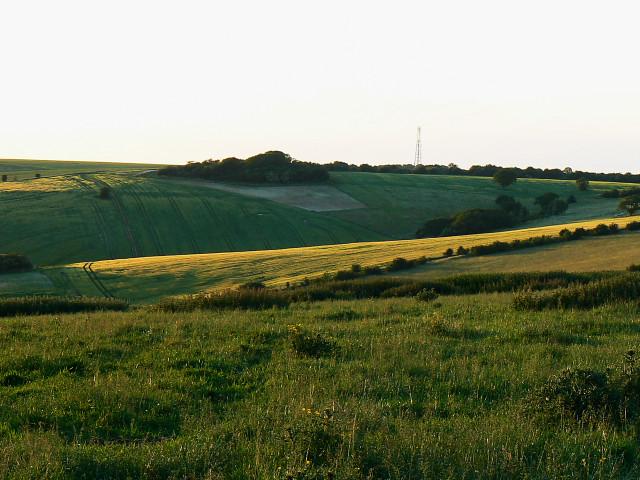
[(488, 170)]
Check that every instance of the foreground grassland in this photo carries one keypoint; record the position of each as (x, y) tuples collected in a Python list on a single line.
[(395, 389), (149, 279)]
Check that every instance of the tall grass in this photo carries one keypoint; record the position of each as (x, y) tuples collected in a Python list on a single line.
[(398, 389), (620, 288), (45, 304)]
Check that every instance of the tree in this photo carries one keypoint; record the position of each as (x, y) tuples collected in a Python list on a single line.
[(505, 177), (105, 193), (5, 178), (546, 201), (582, 184), (630, 204), (37, 175)]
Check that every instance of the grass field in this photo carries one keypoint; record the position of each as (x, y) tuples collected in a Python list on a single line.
[(22, 170), (399, 204), (151, 278), (400, 389), (59, 219), (588, 255)]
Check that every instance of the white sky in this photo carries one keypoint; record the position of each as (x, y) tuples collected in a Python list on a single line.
[(544, 83)]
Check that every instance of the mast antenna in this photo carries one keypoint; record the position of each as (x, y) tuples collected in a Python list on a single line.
[(418, 157)]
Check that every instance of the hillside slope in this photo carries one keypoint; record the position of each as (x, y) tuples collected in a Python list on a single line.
[(59, 219), (149, 279)]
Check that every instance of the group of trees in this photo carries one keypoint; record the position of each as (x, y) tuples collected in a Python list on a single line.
[(268, 167), (509, 212), (14, 262)]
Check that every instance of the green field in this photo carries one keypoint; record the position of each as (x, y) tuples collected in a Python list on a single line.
[(21, 170), (59, 219), (399, 204), (402, 390), (148, 279)]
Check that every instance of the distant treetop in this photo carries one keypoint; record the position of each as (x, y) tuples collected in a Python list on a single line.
[(267, 167)]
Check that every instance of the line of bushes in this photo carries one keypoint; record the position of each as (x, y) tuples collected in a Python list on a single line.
[(565, 235), (14, 262), (48, 304), (259, 297), (400, 263), (621, 287)]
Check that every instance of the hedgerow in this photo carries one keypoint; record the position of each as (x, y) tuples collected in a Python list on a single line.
[(14, 262), (622, 287)]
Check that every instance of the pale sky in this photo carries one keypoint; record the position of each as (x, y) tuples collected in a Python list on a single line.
[(543, 83)]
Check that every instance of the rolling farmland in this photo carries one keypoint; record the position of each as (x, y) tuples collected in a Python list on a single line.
[(60, 219), (151, 278)]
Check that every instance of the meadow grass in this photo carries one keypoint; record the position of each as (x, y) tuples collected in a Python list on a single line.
[(394, 388)]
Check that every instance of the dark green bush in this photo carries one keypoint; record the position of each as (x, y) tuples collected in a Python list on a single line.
[(14, 262), (399, 263), (40, 305), (633, 226), (310, 345), (427, 295)]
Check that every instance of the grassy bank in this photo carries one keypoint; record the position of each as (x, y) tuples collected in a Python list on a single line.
[(362, 389)]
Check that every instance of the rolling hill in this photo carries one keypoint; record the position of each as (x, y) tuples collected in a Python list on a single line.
[(58, 219), (148, 279)]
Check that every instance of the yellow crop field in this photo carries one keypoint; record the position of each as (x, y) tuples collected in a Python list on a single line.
[(149, 278)]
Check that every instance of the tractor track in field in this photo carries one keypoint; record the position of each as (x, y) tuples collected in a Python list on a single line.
[(180, 215), (216, 218), (67, 284), (135, 248), (95, 280), (100, 219), (133, 190)]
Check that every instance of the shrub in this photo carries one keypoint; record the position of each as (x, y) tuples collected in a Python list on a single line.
[(631, 204), (461, 250), (571, 199), (505, 177), (46, 304), (582, 184), (5, 178), (448, 252), (255, 285), (372, 270), (590, 396), (345, 275), (105, 193), (433, 228), (633, 268), (399, 263), (304, 343), (427, 295), (356, 268), (633, 226), (584, 395), (14, 262)]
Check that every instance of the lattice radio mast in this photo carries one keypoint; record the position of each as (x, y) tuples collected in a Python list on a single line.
[(418, 158)]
